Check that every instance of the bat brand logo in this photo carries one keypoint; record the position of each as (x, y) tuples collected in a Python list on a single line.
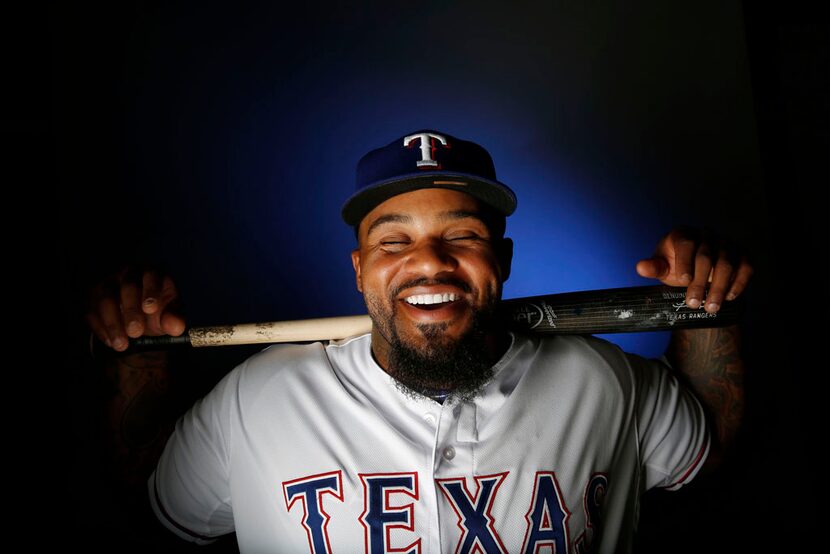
[(428, 147), (530, 315)]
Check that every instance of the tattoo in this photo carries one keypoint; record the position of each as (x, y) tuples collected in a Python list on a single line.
[(710, 362), (138, 413)]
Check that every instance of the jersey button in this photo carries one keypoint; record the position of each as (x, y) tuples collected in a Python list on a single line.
[(429, 418), (449, 453)]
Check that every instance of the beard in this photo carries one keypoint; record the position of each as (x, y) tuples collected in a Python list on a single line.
[(444, 367)]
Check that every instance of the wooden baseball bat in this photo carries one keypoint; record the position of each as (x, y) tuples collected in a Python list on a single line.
[(619, 310)]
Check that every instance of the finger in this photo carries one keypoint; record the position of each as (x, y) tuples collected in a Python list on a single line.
[(653, 268), (702, 266), (165, 302), (684, 247), (97, 327), (741, 280), (110, 313), (168, 293), (151, 291), (172, 322), (722, 275), (131, 307)]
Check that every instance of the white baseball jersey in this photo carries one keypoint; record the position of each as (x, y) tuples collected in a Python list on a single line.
[(312, 448)]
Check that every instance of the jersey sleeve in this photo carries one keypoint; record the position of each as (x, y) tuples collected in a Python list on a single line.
[(671, 426), (189, 490)]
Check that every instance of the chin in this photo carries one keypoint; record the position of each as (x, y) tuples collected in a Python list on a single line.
[(438, 334)]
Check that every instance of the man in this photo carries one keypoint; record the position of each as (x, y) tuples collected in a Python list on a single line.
[(442, 431)]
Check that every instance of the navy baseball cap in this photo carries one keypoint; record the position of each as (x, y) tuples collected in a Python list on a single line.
[(426, 159)]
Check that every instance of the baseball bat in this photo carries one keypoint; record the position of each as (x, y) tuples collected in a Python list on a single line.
[(618, 310)]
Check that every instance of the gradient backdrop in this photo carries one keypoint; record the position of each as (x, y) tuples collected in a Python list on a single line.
[(220, 140), (234, 135)]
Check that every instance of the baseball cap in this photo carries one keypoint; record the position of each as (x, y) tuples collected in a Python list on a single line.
[(426, 159)]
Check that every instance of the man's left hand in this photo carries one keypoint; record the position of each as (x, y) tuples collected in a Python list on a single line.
[(690, 258)]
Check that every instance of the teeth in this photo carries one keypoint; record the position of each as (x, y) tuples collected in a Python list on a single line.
[(432, 298)]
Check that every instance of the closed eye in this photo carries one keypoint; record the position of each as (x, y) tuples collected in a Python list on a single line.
[(393, 245)]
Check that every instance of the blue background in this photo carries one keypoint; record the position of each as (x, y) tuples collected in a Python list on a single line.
[(237, 128)]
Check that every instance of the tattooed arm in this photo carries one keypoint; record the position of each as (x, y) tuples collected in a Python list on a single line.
[(709, 362), (139, 401), (140, 415), (128, 304)]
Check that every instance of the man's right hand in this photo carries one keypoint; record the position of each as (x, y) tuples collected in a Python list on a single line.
[(132, 303)]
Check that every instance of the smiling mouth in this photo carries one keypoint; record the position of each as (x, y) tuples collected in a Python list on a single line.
[(432, 302), (424, 300)]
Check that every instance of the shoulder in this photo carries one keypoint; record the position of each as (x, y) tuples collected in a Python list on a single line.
[(283, 361), (297, 364), (593, 363), (274, 368), (587, 345), (283, 357), (588, 361), (584, 351)]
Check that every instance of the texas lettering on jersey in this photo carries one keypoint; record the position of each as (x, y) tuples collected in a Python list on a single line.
[(389, 499)]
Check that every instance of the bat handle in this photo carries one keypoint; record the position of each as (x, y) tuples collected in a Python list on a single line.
[(141, 344)]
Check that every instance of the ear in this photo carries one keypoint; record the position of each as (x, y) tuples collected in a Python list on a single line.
[(505, 255), (356, 265)]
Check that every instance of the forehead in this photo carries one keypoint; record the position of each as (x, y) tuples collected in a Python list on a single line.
[(423, 203)]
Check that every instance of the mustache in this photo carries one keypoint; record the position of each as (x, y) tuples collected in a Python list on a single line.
[(425, 281)]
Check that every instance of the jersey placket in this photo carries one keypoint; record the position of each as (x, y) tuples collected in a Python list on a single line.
[(431, 417), (453, 459)]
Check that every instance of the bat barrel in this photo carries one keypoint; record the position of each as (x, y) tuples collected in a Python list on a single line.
[(621, 310)]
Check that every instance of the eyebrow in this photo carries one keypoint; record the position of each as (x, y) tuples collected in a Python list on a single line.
[(443, 216), (388, 218), (460, 214)]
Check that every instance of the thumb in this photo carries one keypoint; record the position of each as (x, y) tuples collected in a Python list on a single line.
[(653, 268)]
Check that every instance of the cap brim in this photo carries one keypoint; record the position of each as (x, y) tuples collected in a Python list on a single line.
[(493, 193)]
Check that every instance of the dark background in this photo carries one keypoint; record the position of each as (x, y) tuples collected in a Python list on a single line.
[(220, 141)]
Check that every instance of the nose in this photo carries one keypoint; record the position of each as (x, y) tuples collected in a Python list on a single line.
[(431, 258)]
